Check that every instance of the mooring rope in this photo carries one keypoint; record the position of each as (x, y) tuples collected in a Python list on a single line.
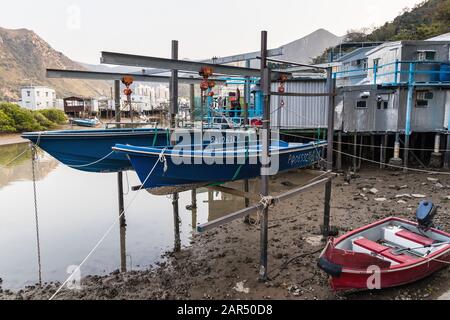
[(36, 217), (92, 163), (161, 155), (15, 158)]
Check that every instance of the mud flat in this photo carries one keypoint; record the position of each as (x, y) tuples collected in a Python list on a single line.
[(7, 139), (223, 263)]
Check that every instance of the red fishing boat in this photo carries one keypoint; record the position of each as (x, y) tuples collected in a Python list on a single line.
[(388, 253)]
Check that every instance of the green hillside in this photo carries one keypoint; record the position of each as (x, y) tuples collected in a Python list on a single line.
[(428, 19)]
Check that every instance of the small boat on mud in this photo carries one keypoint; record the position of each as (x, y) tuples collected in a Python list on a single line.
[(90, 123), (172, 166), (388, 253)]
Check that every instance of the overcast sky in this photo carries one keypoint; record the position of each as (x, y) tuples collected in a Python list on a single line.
[(83, 28)]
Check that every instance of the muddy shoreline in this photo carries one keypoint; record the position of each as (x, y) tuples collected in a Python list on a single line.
[(224, 263)]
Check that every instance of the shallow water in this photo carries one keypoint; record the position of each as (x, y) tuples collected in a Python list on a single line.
[(75, 209)]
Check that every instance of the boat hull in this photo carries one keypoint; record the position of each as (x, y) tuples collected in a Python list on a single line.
[(169, 172), (82, 149), (77, 149), (346, 274)]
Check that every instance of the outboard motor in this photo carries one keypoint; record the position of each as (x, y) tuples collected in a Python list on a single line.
[(425, 214)]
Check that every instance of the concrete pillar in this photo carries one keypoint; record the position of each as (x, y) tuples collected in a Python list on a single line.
[(436, 156), (396, 160)]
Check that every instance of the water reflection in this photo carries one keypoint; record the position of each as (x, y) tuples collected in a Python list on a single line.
[(20, 168)]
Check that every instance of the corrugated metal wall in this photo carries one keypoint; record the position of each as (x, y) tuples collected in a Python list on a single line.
[(300, 112)]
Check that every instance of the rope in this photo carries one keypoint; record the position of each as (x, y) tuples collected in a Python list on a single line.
[(15, 158), (110, 228), (377, 162), (92, 163), (36, 217), (366, 145), (394, 166)]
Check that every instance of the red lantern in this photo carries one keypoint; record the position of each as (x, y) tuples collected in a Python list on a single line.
[(128, 92), (281, 89), (211, 84), (211, 94), (204, 85), (206, 72)]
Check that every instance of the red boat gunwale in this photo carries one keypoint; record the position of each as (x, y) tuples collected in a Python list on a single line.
[(394, 268)]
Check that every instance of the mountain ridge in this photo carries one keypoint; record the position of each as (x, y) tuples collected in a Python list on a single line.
[(24, 57)]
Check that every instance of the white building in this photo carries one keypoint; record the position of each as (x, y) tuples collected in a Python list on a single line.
[(38, 98)]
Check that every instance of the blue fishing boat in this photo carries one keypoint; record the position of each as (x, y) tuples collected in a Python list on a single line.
[(174, 166), (90, 150), (91, 123)]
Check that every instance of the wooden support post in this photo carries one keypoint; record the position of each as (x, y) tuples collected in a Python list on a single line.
[(176, 222), (372, 147), (265, 81), (447, 152), (355, 151), (339, 154), (194, 208), (330, 151)]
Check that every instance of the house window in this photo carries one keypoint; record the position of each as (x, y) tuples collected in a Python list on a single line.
[(383, 102), (38, 93), (423, 97), (46, 94), (361, 104), (426, 55), (28, 93), (376, 64)]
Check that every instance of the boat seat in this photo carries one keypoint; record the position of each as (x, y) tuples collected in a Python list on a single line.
[(383, 251), (414, 237)]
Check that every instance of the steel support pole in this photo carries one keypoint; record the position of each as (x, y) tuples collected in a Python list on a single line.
[(330, 147), (117, 100), (409, 108), (174, 87), (122, 222), (194, 208), (265, 79), (192, 101), (246, 123), (173, 112), (447, 152)]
